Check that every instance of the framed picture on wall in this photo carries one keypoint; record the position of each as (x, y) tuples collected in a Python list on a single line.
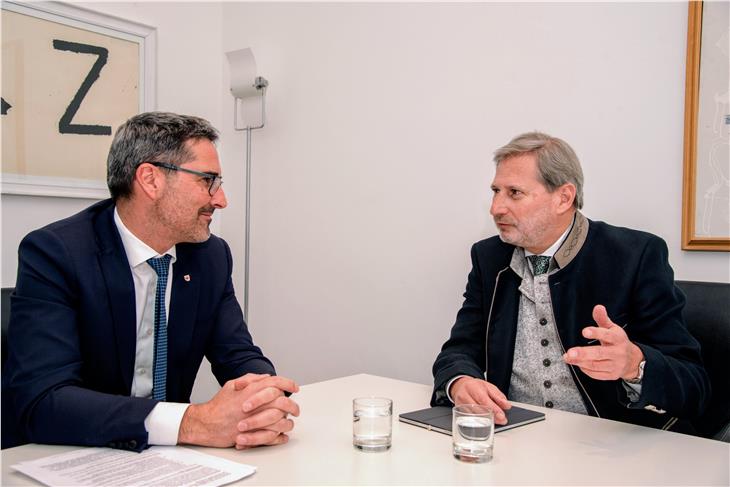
[(70, 77), (706, 192)]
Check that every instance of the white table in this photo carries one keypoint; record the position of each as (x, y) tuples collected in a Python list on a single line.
[(565, 449)]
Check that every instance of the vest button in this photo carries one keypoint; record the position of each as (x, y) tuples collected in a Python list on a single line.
[(549, 404), (544, 342), (543, 321), (546, 362), (547, 384)]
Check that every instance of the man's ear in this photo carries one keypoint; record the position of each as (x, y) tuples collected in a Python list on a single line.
[(566, 197), (149, 180)]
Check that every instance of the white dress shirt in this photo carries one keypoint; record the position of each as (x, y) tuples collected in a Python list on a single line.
[(163, 422)]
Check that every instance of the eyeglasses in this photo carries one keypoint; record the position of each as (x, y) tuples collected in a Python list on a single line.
[(215, 180)]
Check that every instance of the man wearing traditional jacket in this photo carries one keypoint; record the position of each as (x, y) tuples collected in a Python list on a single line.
[(568, 313)]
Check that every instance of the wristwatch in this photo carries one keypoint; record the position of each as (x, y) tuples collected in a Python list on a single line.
[(637, 379)]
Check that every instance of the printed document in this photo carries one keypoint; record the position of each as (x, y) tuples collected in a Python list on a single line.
[(158, 465)]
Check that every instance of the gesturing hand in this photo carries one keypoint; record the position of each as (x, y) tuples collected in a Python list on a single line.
[(468, 390), (615, 358)]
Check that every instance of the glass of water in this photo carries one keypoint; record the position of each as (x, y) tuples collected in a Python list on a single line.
[(372, 419), (472, 430)]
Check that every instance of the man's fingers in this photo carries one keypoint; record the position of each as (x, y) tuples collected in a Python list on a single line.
[(593, 353), (596, 365), (245, 380), (260, 398), (598, 361), (256, 438), (600, 316), (284, 425), (476, 391), (279, 440), (260, 420), (281, 383), (272, 420), (286, 404), (269, 413), (498, 397), (607, 336), (482, 395)]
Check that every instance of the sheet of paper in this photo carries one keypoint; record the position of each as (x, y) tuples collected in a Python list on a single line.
[(158, 465)]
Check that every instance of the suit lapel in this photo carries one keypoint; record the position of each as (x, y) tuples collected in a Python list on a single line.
[(120, 292)]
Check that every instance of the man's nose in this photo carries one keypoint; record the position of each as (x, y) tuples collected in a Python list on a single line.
[(497, 208), (219, 199)]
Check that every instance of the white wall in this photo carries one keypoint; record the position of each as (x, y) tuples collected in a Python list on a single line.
[(370, 180)]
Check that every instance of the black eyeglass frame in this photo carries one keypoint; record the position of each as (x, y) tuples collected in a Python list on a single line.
[(215, 180)]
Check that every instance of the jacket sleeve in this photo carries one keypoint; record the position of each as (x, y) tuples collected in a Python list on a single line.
[(230, 348), (43, 374), (464, 353), (674, 379)]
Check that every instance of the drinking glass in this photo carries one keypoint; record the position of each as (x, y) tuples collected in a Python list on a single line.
[(472, 430), (372, 419)]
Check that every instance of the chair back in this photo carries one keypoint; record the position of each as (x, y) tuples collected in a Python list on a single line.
[(707, 314), (5, 315), (9, 427)]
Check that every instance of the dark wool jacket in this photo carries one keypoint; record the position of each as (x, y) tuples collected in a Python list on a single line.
[(625, 270)]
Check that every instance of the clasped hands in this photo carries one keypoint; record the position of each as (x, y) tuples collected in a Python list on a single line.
[(249, 411), (616, 357)]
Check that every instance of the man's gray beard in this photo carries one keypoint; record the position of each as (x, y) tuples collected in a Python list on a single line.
[(503, 239)]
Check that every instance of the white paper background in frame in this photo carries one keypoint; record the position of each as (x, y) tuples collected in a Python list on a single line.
[(70, 77)]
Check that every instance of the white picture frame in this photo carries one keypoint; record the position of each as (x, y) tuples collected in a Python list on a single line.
[(126, 95)]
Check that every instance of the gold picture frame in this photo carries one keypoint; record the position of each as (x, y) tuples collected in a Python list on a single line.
[(706, 215)]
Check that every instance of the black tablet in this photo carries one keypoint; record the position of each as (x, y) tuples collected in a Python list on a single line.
[(439, 418)]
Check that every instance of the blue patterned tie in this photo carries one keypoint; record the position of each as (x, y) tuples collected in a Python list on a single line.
[(161, 266), (539, 263)]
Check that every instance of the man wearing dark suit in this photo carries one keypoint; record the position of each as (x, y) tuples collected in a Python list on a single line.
[(115, 307), (525, 333)]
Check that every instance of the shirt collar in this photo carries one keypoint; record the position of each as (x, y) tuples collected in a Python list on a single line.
[(137, 251), (555, 246)]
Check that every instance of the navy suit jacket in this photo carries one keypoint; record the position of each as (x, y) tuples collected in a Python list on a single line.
[(72, 332)]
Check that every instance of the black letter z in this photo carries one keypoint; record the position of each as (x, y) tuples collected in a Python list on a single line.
[(64, 125)]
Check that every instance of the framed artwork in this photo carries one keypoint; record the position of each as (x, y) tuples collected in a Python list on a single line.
[(70, 77), (706, 191)]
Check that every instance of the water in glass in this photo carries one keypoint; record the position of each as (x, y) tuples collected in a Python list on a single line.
[(371, 425), (473, 439)]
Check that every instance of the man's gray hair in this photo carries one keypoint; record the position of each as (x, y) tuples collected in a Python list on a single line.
[(557, 163), (151, 137)]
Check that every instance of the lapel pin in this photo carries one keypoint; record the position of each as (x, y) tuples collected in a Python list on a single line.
[(186, 277)]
